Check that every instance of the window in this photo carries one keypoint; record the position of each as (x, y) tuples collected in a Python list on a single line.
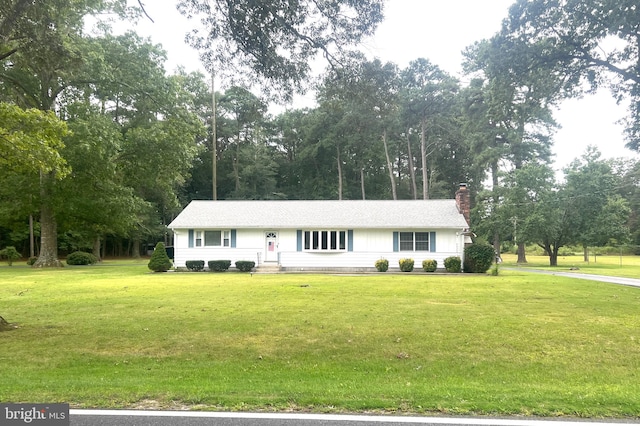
[(325, 240), (414, 241), (212, 238)]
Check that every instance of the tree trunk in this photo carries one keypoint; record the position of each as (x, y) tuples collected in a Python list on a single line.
[(339, 174), (96, 248), (32, 251), (585, 251), (412, 169), (394, 192), (48, 257), (553, 257), (423, 153), (364, 195), (135, 250), (522, 256)]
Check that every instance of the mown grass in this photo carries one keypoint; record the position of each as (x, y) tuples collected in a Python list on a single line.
[(617, 266), (118, 336)]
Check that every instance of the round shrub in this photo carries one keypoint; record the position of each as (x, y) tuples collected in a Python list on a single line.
[(159, 261), (406, 265), (245, 265), (478, 258), (382, 265), (11, 254), (32, 260), (453, 264), (429, 265), (195, 265), (81, 258), (219, 265)]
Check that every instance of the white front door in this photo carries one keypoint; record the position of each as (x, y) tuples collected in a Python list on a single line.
[(271, 239)]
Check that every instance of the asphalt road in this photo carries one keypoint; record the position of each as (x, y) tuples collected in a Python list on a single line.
[(191, 418), (633, 282)]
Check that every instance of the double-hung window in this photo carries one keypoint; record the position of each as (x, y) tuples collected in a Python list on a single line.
[(414, 241), (212, 238), (325, 240)]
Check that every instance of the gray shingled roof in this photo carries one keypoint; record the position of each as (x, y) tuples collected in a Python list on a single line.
[(320, 214)]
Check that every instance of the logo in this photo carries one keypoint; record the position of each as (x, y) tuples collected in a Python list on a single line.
[(34, 414)]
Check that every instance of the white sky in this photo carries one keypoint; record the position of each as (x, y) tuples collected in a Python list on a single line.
[(439, 31)]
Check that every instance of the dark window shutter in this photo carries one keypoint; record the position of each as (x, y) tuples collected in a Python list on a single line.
[(233, 238), (190, 238), (299, 240), (396, 241), (432, 241), (350, 240)]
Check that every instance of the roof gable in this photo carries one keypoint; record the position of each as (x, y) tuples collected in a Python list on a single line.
[(320, 214)]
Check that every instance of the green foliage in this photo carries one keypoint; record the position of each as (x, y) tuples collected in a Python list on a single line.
[(32, 260), (10, 253), (406, 264), (382, 265), (31, 140), (478, 258), (219, 265), (81, 258), (453, 264), (429, 265), (159, 261), (195, 265), (245, 265)]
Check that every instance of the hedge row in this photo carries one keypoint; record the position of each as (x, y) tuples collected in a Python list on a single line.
[(219, 265)]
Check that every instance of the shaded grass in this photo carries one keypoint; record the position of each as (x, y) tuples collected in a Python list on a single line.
[(118, 336), (616, 266)]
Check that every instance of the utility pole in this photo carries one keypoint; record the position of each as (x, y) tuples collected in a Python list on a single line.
[(214, 142)]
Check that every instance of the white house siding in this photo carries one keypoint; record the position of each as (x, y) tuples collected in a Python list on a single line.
[(369, 245)]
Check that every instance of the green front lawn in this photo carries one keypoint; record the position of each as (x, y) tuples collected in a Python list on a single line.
[(115, 335)]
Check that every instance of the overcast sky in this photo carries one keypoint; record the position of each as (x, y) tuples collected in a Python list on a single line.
[(439, 31)]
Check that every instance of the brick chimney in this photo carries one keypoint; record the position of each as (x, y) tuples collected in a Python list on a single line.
[(463, 202)]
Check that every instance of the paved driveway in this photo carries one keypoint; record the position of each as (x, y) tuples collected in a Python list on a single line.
[(603, 278)]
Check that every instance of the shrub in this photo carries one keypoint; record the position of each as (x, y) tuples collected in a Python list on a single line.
[(159, 261), (478, 258), (219, 265), (32, 260), (245, 265), (195, 265), (406, 265), (453, 264), (382, 265), (11, 254), (81, 258), (429, 265)]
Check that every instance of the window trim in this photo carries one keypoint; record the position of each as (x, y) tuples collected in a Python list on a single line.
[(199, 239), (324, 240), (414, 241)]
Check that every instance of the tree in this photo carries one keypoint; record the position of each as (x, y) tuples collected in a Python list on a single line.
[(159, 261), (589, 43), (598, 214), (275, 41), (428, 97)]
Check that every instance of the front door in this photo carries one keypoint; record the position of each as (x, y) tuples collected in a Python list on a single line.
[(272, 246)]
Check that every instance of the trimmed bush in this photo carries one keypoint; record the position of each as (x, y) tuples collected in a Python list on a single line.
[(245, 265), (219, 265), (11, 254), (453, 264), (32, 260), (429, 265), (382, 265), (478, 258), (81, 258), (159, 261), (406, 265), (195, 265)]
